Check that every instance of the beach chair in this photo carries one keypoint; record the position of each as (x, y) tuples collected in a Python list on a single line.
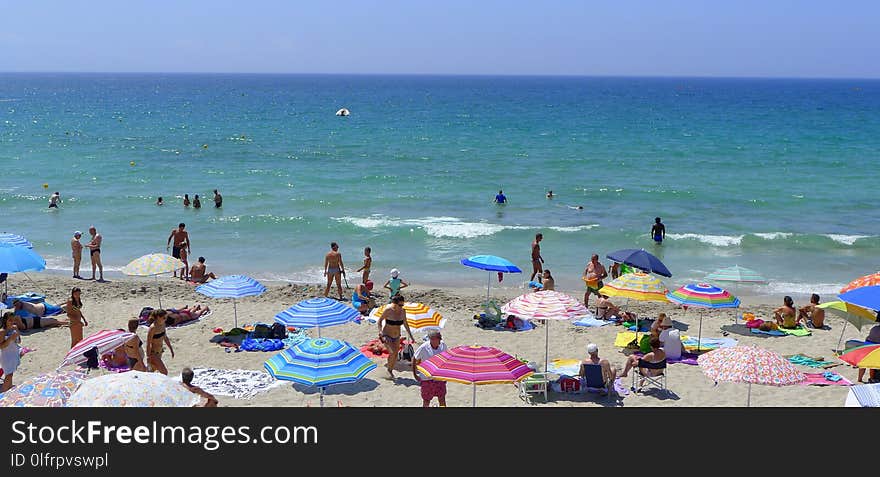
[(537, 383), (594, 380), (642, 379)]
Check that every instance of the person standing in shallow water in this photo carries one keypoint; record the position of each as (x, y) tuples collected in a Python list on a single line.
[(334, 269), (76, 248), (658, 231), (197, 204), (218, 199)]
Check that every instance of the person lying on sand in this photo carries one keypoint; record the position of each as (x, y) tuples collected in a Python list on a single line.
[(35, 322), (185, 314)]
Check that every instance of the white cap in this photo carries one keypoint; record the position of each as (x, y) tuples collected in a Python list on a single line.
[(592, 348), (77, 233), (394, 273)]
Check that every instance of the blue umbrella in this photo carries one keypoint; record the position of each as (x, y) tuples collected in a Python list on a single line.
[(320, 362), (865, 297), (318, 312), (15, 258), (15, 240), (639, 258), (490, 263), (232, 286)]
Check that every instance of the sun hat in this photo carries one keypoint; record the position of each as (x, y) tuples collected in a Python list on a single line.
[(592, 348), (77, 233), (666, 321), (394, 273)]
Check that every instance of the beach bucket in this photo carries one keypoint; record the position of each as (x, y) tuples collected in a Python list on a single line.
[(591, 282)]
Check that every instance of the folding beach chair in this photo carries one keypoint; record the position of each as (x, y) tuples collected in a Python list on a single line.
[(594, 380), (645, 379), (537, 383)]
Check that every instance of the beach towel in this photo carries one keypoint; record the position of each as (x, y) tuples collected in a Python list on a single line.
[(771, 332), (565, 367), (624, 338), (29, 297), (799, 331), (261, 344), (367, 348), (113, 369), (868, 395), (237, 383), (690, 344), (811, 362), (686, 358), (521, 325), (591, 322), (295, 337), (828, 378)]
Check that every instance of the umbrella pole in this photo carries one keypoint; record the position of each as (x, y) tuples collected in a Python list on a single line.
[(546, 344), (749, 398), (474, 385), (839, 340), (700, 334), (322, 396), (488, 286), (160, 292), (235, 312)]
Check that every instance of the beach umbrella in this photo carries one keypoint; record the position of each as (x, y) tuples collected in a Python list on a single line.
[(855, 314), (637, 286), (735, 274), (317, 313), (490, 263), (16, 240), (320, 362), (865, 297), (153, 264), (16, 258), (104, 340), (867, 356), (45, 390), (703, 295), (474, 365), (419, 316), (749, 364), (641, 259), (545, 305), (232, 286), (133, 389), (866, 281)]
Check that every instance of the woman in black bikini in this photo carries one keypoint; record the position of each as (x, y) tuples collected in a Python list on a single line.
[(392, 318), (156, 337), (134, 349)]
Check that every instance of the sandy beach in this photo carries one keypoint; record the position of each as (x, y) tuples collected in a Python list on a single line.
[(110, 305)]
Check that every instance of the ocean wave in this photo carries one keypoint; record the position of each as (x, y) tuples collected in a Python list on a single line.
[(773, 235), (794, 288), (448, 227), (259, 218), (65, 264), (814, 240), (846, 239), (716, 240)]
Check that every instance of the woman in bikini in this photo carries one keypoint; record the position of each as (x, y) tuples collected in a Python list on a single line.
[(389, 325), (156, 337), (75, 317), (134, 349), (186, 314), (786, 315)]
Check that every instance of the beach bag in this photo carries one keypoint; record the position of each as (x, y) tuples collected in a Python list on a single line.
[(406, 353), (569, 385), (279, 331), (262, 330), (92, 357)]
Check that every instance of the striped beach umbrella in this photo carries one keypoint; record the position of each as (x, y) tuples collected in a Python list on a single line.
[(133, 389), (866, 281), (637, 286), (418, 315), (867, 356), (317, 313), (153, 264), (736, 274), (475, 365), (749, 364), (855, 314), (320, 362), (45, 390), (104, 340), (232, 286), (490, 263), (545, 305), (703, 295), (15, 240)]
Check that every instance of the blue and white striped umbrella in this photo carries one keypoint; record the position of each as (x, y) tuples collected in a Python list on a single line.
[(317, 312), (232, 286), (320, 362), (15, 240)]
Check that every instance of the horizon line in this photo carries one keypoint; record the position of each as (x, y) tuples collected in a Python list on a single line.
[(485, 75)]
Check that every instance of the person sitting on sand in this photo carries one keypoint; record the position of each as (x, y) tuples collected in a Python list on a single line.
[(655, 356), (672, 345), (608, 373), (872, 338), (134, 349), (186, 314), (662, 323), (547, 281), (605, 310), (115, 359), (812, 315), (360, 298), (208, 399), (786, 315), (198, 273)]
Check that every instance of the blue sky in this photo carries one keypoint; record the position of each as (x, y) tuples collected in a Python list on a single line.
[(771, 38)]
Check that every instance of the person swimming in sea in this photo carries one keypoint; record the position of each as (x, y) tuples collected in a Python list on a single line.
[(550, 194)]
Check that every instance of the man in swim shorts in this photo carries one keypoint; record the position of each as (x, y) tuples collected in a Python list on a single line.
[(594, 273), (334, 269), (198, 272), (181, 240), (95, 252), (537, 260), (54, 199), (500, 198), (658, 231)]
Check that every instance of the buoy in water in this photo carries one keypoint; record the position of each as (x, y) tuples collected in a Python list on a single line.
[(204, 146), (45, 186), (343, 112), (131, 163)]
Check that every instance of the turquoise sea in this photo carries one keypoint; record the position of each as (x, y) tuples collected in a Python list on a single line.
[(771, 174)]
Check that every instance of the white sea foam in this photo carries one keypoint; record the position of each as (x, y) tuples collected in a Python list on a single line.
[(716, 240), (846, 239), (791, 288), (773, 235), (448, 227)]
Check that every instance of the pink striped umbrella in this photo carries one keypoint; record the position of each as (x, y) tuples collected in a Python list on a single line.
[(104, 340), (475, 365), (749, 364), (545, 305)]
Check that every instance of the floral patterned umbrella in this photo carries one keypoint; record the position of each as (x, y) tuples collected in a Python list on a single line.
[(749, 364), (132, 389), (45, 390)]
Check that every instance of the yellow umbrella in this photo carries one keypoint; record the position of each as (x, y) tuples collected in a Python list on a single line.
[(638, 286), (854, 314), (153, 264), (418, 315)]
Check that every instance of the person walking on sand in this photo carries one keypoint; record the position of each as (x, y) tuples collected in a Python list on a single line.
[(181, 240), (658, 231), (429, 387), (54, 199), (537, 259), (134, 349), (218, 199), (593, 275), (334, 269), (94, 247), (75, 318), (389, 325), (156, 339), (76, 249), (368, 263)]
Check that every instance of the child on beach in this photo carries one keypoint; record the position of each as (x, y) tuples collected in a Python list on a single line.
[(368, 262), (395, 284)]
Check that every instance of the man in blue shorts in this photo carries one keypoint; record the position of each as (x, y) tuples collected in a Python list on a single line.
[(500, 198), (658, 231)]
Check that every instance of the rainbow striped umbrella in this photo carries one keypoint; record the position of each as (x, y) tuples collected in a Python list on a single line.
[(153, 264), (851, 313), (866, 281), (736, 274), (320, 362), (749, 364), (867, 356), (318, 312), (474, 365), (46, 390), (418, 315), (637, 286), (545, 305), (104, 340), (703, 295), (16, 240), (133, 389)]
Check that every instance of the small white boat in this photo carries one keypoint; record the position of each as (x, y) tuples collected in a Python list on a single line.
[(343, 112)]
